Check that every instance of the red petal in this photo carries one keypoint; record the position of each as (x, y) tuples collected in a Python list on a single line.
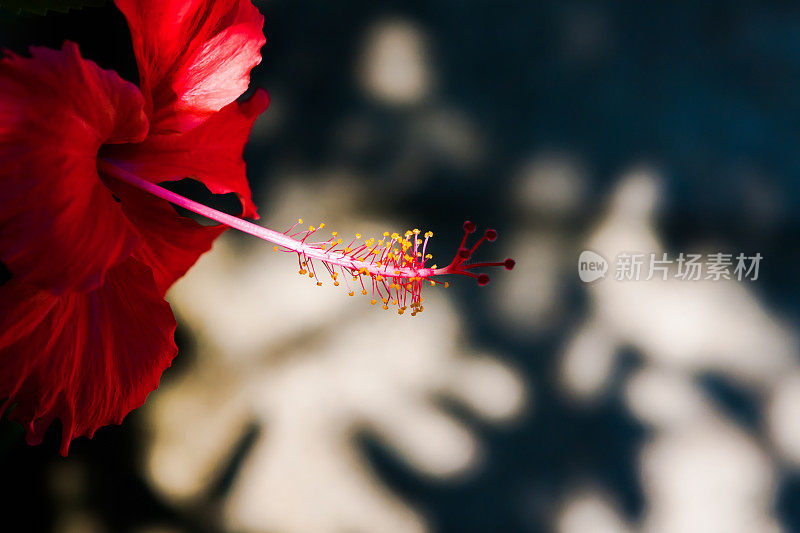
[(60, 228), (170, 243), (194, 56), (87, 359), (210, 153)]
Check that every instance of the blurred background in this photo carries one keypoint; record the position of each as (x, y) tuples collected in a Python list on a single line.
[(537, 403)]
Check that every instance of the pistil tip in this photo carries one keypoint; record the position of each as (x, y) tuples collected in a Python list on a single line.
[(469, 227), (509, 264)]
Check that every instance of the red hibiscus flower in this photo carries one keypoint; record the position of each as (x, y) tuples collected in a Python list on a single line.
[(85, 332), (90, 238)]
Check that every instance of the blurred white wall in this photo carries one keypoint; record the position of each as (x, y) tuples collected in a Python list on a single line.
[(701, 471), (314, 369)]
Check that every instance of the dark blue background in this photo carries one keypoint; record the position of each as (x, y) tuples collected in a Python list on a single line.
[(707, 91)]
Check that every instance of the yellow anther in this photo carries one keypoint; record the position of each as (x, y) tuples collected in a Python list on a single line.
[(364, 292), (311, 228), (378, 264), (396, 236), (355, 278), (334, 233), (319, 284), (338, 241), (358, 235), (378, 278), (428, 256), (394, 302), (385, 300), (416, 231), (335, 283), (310, 274), (373, 302), (433, 283), (385, 233), (347, 250), (334, 275), (446, 284), (433, 266), (400, 311), (385, 307), (350, 293), (429, 234), (299, 220), (322, 225), (408, 233), (323, 246), (397, 272), (275, 249)]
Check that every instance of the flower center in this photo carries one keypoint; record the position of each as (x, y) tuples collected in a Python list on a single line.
[(393, 267)]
